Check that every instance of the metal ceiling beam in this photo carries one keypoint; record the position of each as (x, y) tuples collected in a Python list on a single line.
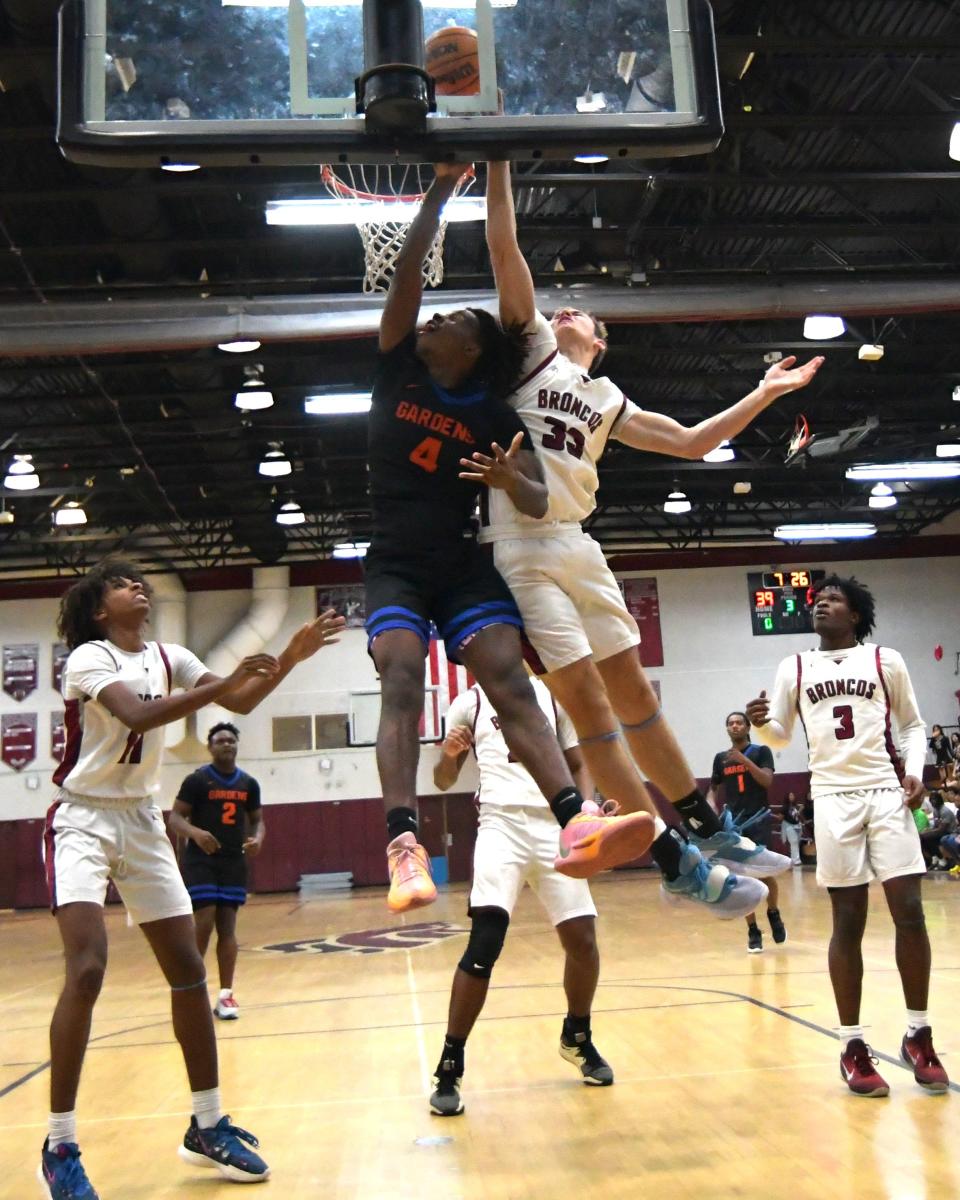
[(109, 328)]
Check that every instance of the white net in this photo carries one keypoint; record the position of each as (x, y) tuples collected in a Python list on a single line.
[(384, 200)]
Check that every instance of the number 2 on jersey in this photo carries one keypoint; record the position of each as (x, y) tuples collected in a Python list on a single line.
[(426, 454), (844, 714), (229, 816)]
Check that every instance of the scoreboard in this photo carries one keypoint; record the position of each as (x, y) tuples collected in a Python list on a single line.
[(780, 600)]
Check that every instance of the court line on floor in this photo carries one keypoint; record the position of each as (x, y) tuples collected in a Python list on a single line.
[(425, 1076)]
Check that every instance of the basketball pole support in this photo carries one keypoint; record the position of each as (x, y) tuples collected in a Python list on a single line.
[(394, 93)]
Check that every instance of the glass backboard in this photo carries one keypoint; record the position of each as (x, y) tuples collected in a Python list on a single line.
[(145, 82)]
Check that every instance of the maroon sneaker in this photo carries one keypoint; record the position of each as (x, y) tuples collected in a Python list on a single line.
[(857, 1069), (918, 1052)]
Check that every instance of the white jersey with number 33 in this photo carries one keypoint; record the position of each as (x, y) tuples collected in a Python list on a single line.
[(851, 703), (570, 418)]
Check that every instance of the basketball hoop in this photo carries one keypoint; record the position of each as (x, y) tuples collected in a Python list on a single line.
[(384, 200)]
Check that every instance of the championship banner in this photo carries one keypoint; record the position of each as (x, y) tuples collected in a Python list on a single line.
[(18, 735), (58, 736), (60, 656), (20, 670), (643, 604)]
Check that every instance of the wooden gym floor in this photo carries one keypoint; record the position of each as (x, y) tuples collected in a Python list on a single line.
[(727, 1083)]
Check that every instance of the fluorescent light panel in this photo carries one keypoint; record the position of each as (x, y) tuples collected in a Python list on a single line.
[(332, 210), (948, 450), (337, 404), (905, 470), (814, 533), (239, 347), (351, 550)]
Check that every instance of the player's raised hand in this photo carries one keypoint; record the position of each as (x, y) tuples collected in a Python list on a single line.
[(458, 741), (498, 470), (450, 173), (784, 377), (311, 637), (758, 710), (912, 791), (254, 664)]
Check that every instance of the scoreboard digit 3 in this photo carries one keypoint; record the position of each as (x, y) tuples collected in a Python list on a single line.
[(780, 600)]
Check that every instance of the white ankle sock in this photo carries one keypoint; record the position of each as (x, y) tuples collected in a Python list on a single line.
[(61, 1127), (225, 992), (659, 826), (847, 1033), (206, 1107), (916, 1020)]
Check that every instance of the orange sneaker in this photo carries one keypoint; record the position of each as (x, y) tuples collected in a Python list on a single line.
[(411, 884), (597, 839)]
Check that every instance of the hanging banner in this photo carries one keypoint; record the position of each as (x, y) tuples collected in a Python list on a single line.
[(18, 736), (643, 603), (348, 601), (20, 670), (58, 736), (60, 656)]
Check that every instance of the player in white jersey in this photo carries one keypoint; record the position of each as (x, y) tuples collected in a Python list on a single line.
[(516, 844), (105, 824), (849, 695), (573, 612)]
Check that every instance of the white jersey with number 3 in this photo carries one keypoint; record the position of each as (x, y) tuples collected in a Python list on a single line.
[(570, 418), (505, 783), (859, 712)]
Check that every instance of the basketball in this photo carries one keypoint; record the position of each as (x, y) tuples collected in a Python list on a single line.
[(452, 59)]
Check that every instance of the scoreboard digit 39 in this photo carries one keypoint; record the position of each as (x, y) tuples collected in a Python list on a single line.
[(780, 600)]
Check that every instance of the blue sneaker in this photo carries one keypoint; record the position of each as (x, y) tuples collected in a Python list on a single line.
[(222, 1147), (727, 894), (61, 1174), (731, 849)]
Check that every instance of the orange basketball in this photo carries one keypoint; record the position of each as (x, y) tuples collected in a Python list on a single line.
[(452, 59)]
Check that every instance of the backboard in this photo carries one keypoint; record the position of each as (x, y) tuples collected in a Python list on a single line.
[(237, 82)]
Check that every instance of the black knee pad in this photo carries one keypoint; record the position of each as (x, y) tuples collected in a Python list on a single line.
[(486, 941)]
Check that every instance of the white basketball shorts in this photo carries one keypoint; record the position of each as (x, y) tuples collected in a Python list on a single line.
[(864, 835), (570, 602), (517, 846), (86, 846)]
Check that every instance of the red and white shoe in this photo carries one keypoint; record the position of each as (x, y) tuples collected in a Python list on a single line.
[(597, 839), (858, 1071), (227, 1008), (411, 883), (917, 1051)]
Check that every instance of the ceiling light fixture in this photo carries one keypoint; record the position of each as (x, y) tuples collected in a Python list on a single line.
[(333, 210), (21, 474), (954, 148), (290, 514), (351, 549), (71, 513), (275, 462), (591, 159), (840, 530), (179, 168), (336, 404), (948, 450), (239, 347), (820, 328), (677, 503), (881, 496), (722, 453), (904, 470), (253, 396)]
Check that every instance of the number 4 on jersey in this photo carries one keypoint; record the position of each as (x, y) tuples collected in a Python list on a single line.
[(426, 454)]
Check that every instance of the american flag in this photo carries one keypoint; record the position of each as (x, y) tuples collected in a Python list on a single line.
[(449, 679)]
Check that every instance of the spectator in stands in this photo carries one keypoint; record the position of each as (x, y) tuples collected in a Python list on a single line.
[(790, 826), (940, 746), (944, 824)]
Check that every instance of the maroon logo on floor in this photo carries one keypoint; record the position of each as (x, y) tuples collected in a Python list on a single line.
[(373, 941)]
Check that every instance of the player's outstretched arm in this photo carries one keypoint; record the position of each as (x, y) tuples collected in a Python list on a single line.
[(663, 435), (510, 271), (406, 287), (140, 715), (308, 639), (516, 471)]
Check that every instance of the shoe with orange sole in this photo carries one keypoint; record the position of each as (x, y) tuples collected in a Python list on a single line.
[(597, 839), (411, 883)]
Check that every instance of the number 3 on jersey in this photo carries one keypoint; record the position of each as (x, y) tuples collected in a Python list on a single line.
[(844, 714), (426, 454)]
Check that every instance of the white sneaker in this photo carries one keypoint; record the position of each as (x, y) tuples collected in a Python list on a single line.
[(226, 1008)]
